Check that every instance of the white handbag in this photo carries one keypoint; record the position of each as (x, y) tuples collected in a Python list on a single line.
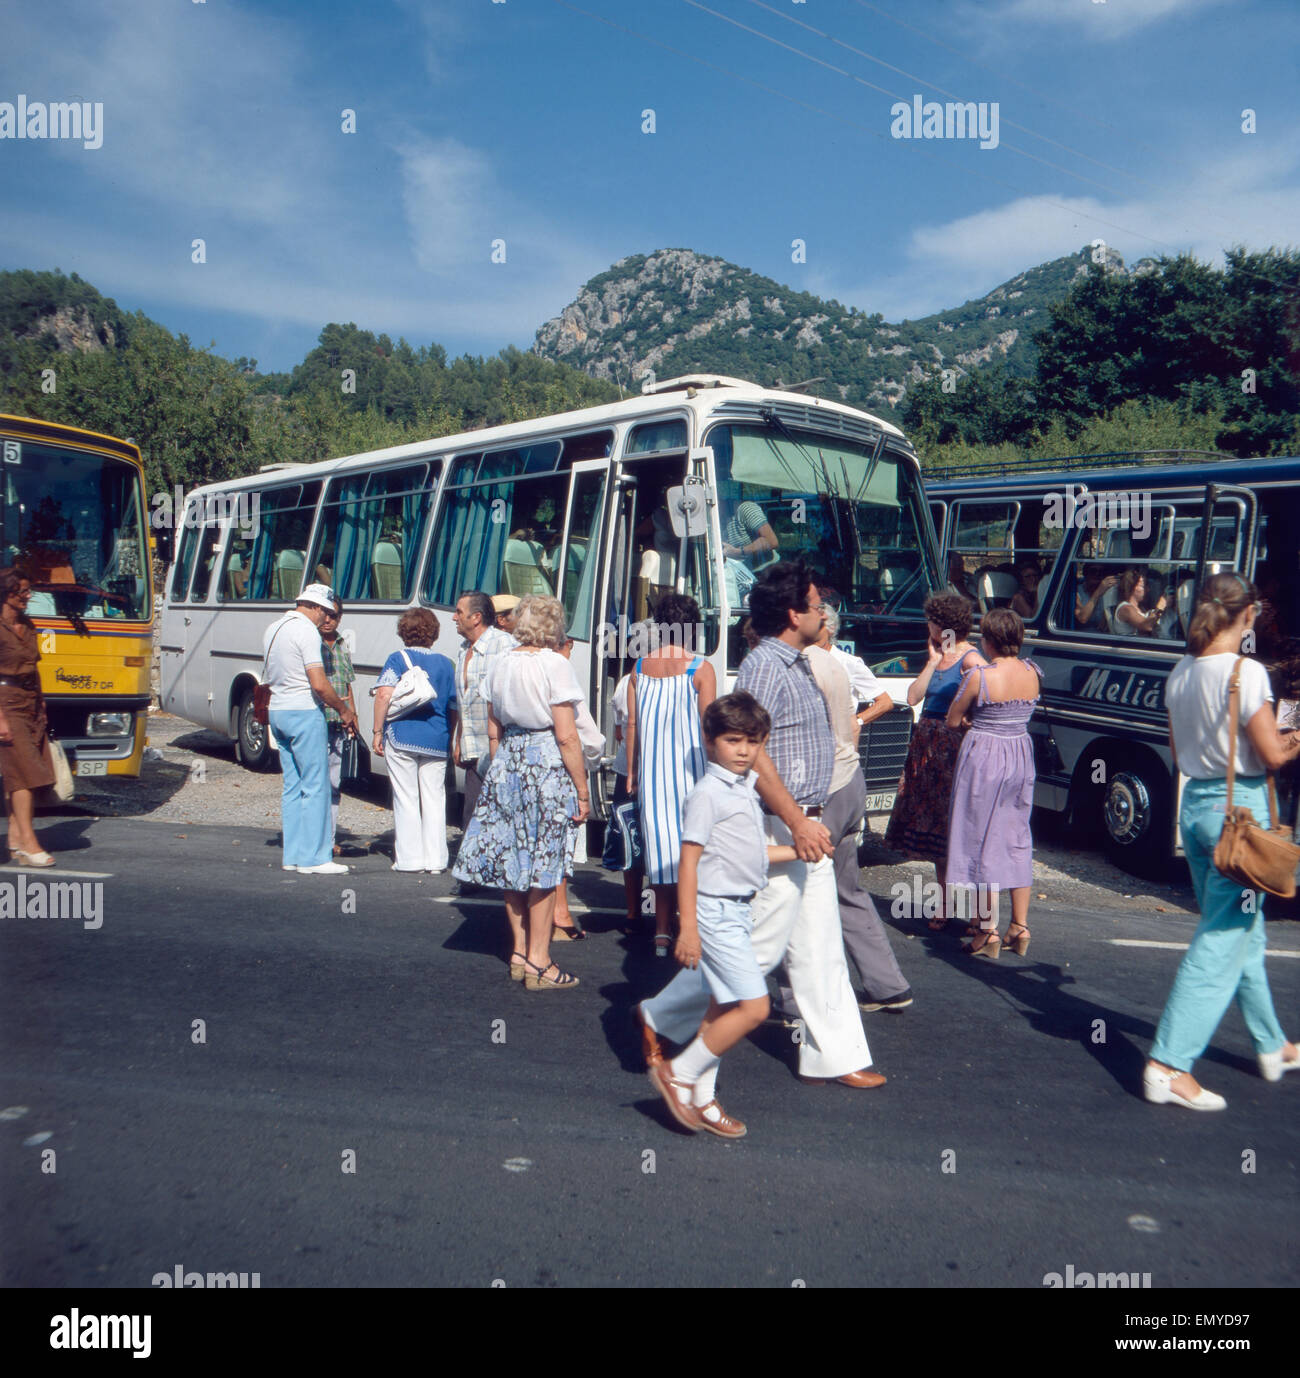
[(412, 691), (64, 786)]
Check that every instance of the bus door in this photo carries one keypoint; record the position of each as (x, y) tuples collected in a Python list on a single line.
[(199, 623), (184, 672), (578, 572)]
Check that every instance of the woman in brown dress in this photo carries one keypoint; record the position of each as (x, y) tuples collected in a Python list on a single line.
[(24, 737), (918, 825)]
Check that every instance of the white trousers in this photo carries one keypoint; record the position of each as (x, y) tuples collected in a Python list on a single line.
[(419, 809), (796, 916)]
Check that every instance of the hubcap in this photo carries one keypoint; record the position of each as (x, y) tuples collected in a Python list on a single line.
[(1127, 809), (254, 733)]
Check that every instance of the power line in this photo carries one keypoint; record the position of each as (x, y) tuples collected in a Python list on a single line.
[(933, 156), (758, 33)]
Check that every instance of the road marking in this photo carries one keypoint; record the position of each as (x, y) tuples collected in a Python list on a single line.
[(575, 907), (1182, 947), (56, 873), (517, 1164)]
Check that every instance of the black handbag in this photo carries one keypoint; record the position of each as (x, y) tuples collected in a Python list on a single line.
[(623, 846), (351, 756)]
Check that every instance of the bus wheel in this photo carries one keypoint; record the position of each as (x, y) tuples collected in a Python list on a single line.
[(1135, 821), (251, 745)]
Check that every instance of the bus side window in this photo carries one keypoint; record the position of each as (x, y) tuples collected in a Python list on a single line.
[(498, 537), (185, 558), (201, 590), (275, 567), (370, 534)]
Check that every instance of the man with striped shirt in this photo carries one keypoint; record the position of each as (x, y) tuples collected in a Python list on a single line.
[(796, 916)]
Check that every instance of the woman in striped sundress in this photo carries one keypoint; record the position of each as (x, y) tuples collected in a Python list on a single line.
[(670, 689)]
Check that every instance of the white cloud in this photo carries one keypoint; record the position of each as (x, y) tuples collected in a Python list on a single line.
[(1107, 19), (1242, 199), (450, 198)]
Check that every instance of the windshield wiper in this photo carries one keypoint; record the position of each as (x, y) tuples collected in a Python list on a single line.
[(770, 416)]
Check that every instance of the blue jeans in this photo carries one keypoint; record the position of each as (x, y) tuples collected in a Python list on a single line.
[(305, 799), (1226, 955)]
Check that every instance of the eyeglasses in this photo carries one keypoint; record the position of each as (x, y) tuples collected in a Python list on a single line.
[(816, 607)]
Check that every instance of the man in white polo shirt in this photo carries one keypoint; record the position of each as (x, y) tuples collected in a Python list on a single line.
[(299, 690)]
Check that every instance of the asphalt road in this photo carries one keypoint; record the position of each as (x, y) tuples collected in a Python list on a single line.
[(502, 1134)]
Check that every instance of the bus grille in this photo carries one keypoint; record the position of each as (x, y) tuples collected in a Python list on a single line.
[(883, 749)]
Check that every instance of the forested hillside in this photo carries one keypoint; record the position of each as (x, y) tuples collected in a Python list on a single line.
[(68, 353)]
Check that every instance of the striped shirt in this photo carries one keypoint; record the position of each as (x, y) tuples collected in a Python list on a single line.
[(802, 746)]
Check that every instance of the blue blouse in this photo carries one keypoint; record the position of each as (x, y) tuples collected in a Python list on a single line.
[(943, 689), (426, 731)]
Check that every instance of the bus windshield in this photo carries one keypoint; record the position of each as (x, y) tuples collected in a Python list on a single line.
[(73, 520), (852, 509)]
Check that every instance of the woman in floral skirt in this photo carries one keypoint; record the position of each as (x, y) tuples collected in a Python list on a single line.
[(520, 838), (918, 826)]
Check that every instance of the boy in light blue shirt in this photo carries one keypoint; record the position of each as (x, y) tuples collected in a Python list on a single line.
[(724, 861)]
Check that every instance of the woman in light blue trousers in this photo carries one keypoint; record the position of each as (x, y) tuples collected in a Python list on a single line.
[(1226, 955)]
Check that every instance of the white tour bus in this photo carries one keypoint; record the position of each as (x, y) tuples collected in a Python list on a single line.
[(605, 508), (1066, 546)]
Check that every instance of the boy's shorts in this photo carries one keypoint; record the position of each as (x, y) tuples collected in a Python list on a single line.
[(727, 960)]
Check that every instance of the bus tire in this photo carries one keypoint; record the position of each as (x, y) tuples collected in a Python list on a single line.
[(252, 747), (1135, 818)]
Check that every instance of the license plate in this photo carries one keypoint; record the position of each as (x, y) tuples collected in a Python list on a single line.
[(878, 803), (92, 767)]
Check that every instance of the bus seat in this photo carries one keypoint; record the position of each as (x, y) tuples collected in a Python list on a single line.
[(996, 589), (1109, 602), (1186, 599), (386, 571), (522, 580), (286, 580)]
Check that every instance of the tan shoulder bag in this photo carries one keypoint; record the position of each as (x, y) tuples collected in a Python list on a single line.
[(1258, 858)]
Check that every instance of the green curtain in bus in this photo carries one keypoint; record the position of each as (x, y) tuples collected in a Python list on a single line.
[(471, 546)]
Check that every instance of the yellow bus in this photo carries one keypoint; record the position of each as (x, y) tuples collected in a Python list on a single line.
[(74, 519)]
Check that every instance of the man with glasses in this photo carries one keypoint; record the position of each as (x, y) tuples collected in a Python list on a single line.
[(796, 916)]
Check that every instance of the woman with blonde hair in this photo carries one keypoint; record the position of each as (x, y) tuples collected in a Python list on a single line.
[(520, 838), (1225, 958)]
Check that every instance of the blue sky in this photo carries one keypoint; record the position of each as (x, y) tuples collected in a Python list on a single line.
[(522, 121)]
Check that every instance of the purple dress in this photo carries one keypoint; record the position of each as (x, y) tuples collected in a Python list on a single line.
[(992, 794)]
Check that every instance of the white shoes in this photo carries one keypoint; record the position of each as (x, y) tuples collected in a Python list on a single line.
[(1272, 1065), (1155, 1087), (326, 868)]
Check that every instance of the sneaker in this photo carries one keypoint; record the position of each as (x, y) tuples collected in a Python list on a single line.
[(893, 1002), (288, 868), (326, 868)]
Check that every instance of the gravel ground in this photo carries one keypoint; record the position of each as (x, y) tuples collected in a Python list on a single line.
[(195, 780)]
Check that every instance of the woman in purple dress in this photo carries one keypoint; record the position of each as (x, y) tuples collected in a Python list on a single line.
[(989, 843), (918, 825)]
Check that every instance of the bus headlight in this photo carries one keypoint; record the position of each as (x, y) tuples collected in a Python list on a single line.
[(108, 725)]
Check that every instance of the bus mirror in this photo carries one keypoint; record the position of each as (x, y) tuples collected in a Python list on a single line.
[(687, 507)]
